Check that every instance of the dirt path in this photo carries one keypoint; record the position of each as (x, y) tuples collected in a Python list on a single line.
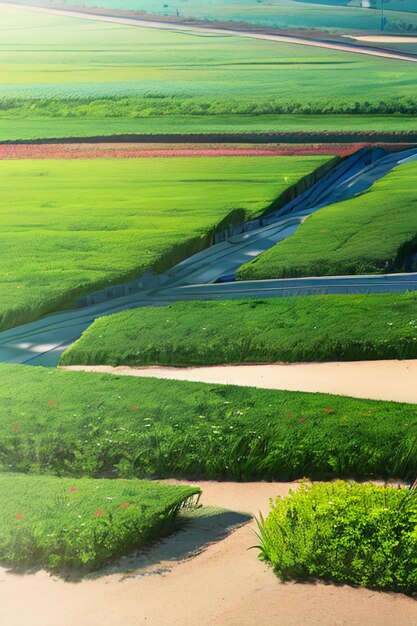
[(225, 585), (208, 30), (126, 150), (380, 380)]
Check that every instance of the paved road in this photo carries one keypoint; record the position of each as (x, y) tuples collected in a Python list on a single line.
[(207, 30), (42, 342)]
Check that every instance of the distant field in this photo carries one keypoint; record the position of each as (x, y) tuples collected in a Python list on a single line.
[(79, 423), (82, 523), (371, 233), (63, 76), (309, 328), (333, 15), (71, 227)]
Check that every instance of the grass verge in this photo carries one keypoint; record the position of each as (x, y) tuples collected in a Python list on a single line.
[(83, 524), (78, 423), (371, 233), (311, 328), (346, 533)]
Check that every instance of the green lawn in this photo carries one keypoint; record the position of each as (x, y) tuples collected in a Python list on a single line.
[(312, 328), (69, 227), (371, 233), (58, 73), (346, 533), (83, 523), (332, 15), (12, 128), (86, 424)]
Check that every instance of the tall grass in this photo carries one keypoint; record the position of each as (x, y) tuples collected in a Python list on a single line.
[(77, 423), (82, 524)]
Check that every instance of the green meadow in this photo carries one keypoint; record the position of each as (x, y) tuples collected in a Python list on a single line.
[(69, 227), (371, 233), (88, 424), (347, 533), (59, 74), (82, 524), (311, 328)]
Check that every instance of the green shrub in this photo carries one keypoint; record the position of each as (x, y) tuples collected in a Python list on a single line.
[(360, 534), (79, 423), (57, 522), (311, 328)]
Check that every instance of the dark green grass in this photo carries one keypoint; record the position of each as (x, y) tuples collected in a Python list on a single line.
[(371, 233), (83, 524), (311, 328), (86, 424), (346, 533)]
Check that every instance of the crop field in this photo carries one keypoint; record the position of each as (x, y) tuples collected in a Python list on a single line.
[(346, 533), (372, 233), (88, 424), (82, 524), (333, 15), (311, 328), (71, 227), (62, 76)]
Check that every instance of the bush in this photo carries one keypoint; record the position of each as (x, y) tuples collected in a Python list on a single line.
[(360, 534)]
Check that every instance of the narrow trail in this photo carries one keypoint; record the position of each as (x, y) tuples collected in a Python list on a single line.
[(376, 380), (208, 30)]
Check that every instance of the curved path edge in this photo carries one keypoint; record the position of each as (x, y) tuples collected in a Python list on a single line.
[(377, 380)]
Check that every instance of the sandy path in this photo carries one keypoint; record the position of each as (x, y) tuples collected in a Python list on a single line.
[(226, 585), (208, 30), (385, 38), (380, 380)]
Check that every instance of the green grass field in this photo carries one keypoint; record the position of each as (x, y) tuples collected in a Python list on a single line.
[(59, 74), (346, 533), (86, 424), (333, 15), (371, 233), (311, 328), (82, 524), (69, 227)]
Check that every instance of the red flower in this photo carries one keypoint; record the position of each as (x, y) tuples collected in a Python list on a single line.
[(134, 407), (72, 489), (328, 410), (290, 415), (125, 505), (99, 512), (15, 428), (52, 403), (19, 516)]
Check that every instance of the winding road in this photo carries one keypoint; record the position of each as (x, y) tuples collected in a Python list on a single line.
[(208, 30), (197, 278)]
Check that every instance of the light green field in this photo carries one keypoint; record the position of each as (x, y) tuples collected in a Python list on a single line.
[(332, 15), (68, 227), (59, 70), (371, 233), (82, 523), (322, 328)]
